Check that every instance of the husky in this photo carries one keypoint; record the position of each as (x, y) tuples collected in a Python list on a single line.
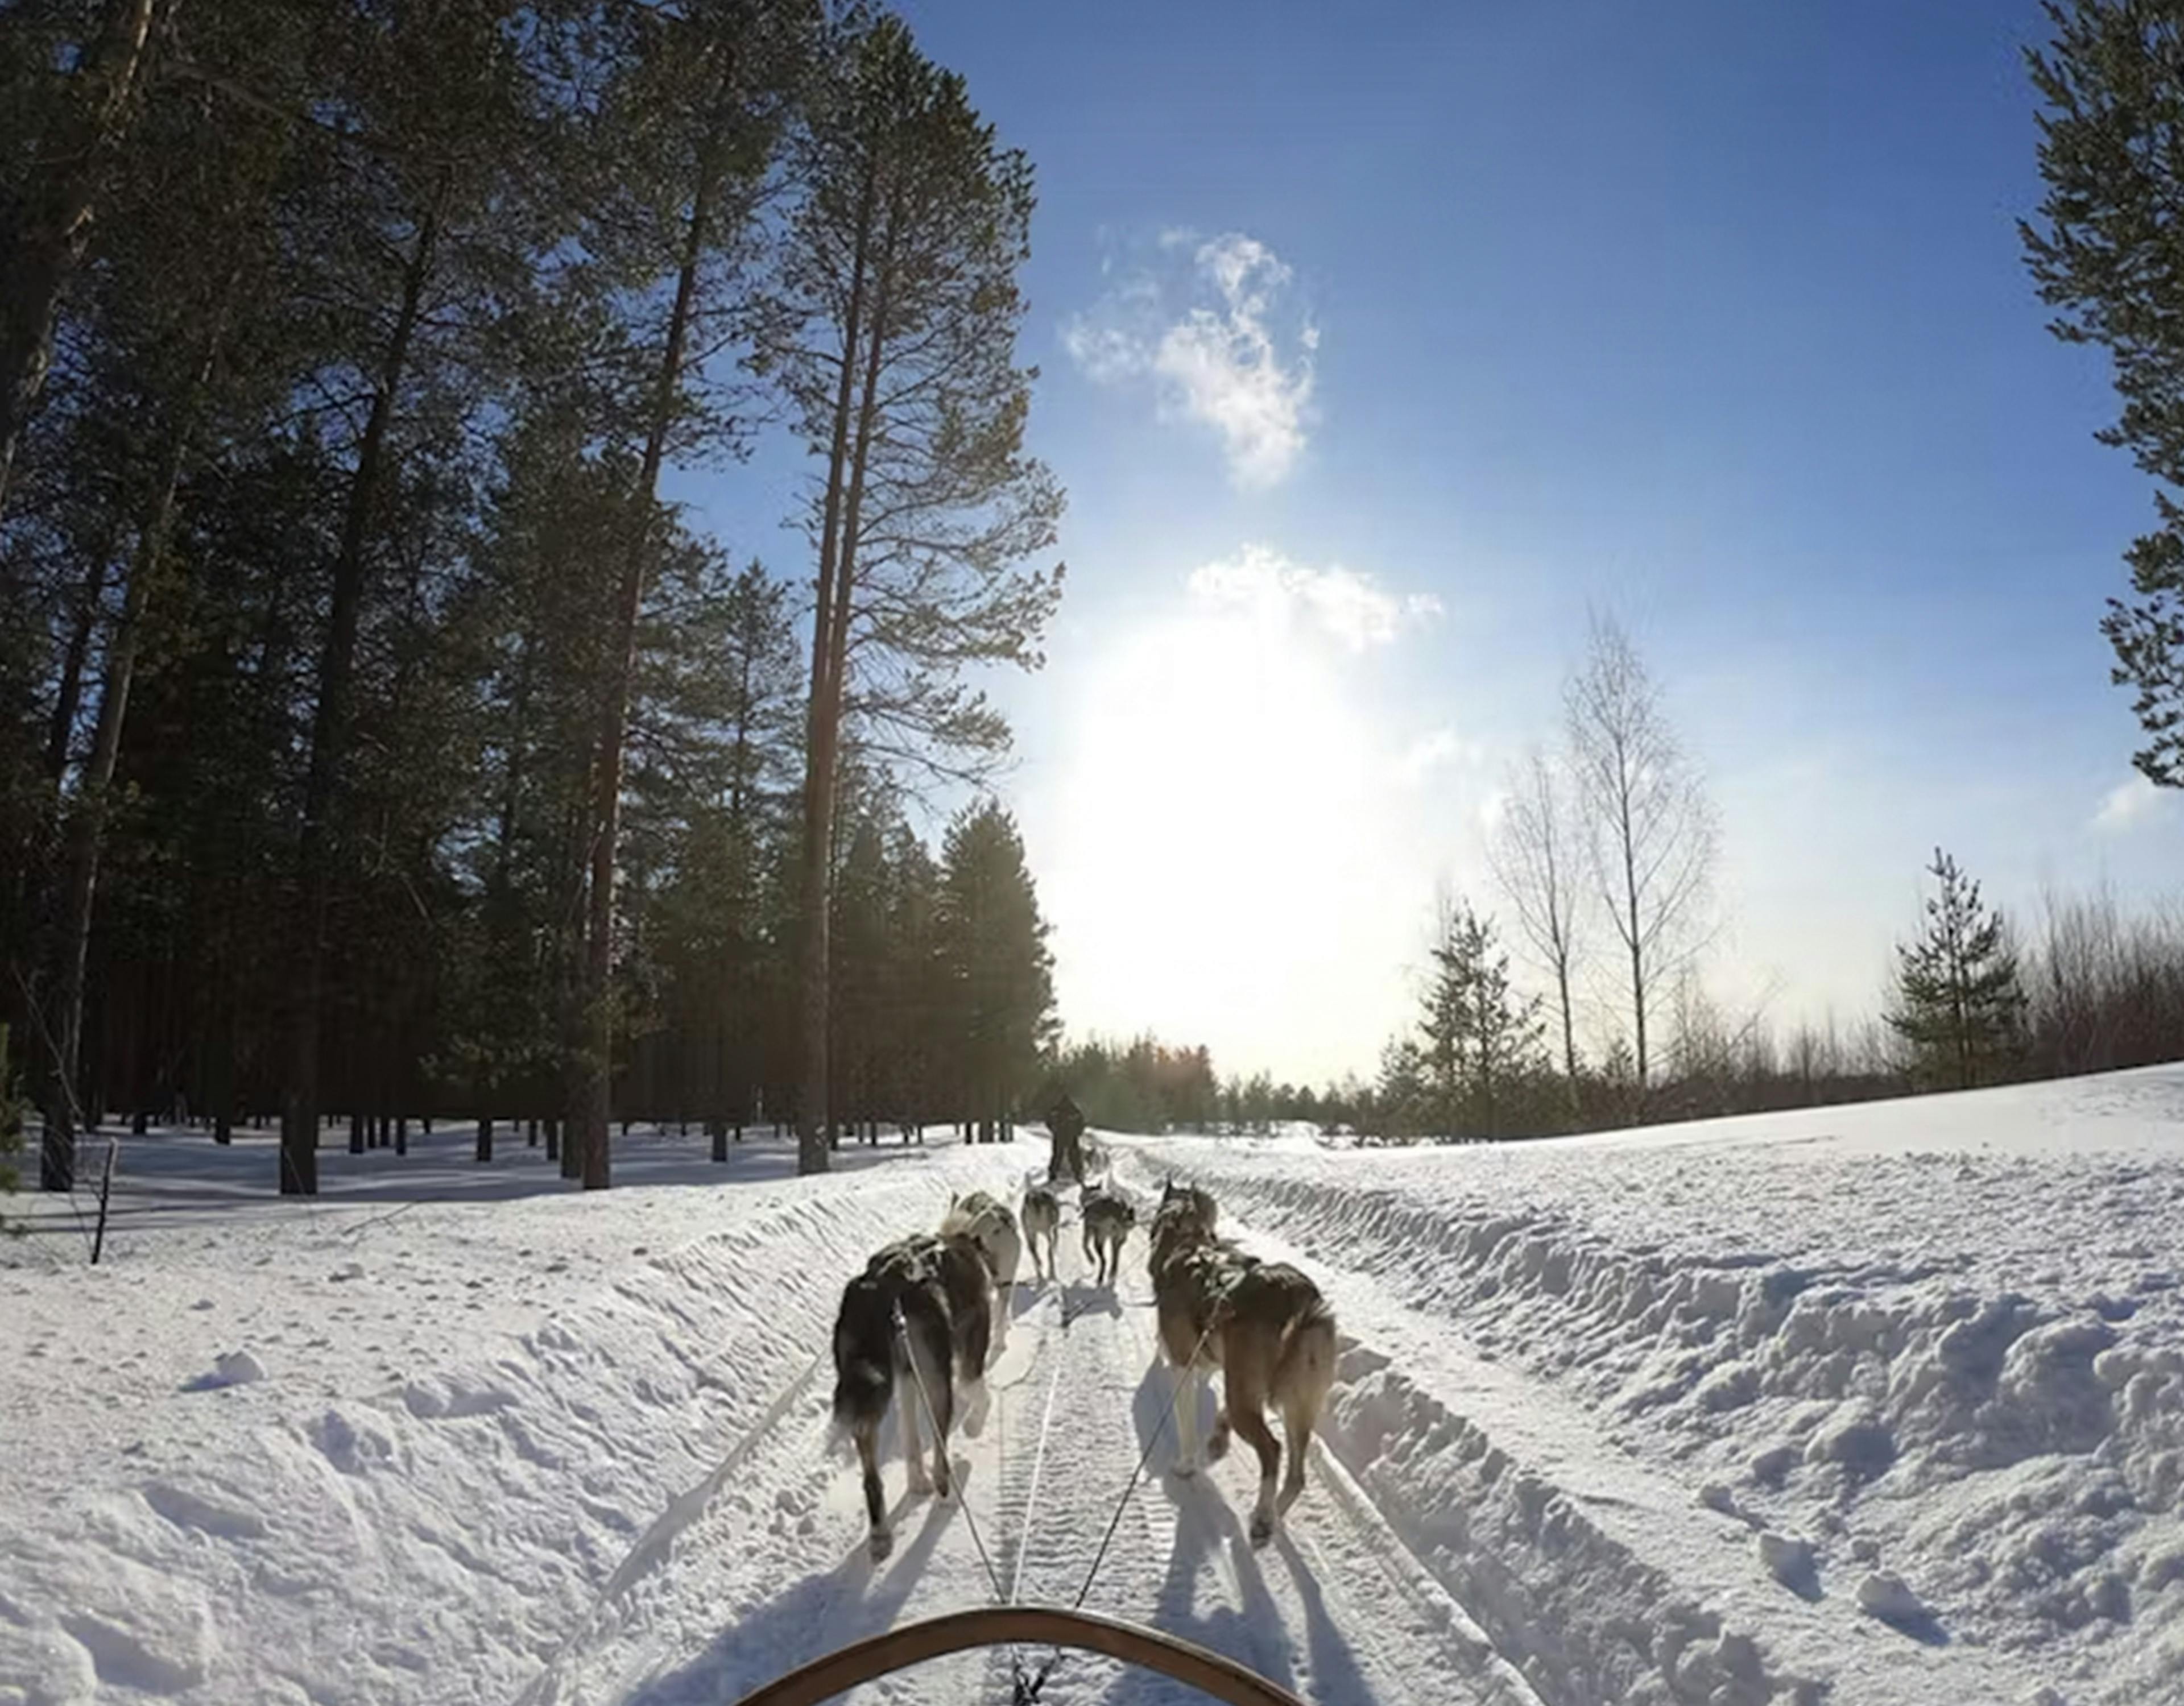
[(1264, 1324), (1108, 1219), (1042, 1218), (987, 1222), (944, 1290)]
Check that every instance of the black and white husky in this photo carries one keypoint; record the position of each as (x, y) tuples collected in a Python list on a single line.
[(942, 1289), (1264, 1324)]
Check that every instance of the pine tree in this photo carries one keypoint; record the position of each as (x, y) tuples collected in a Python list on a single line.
[(859, 1018), (318, 541), (1480, 1038), (715, 90), (2107, 256), (426, 251), (998, 972), (894, 346), (155, 375), (1401, 1087), (79, 119), (1959, 1004), (714, 789)]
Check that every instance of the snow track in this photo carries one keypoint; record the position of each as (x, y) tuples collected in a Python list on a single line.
[(1649, 1423), (763, 1564)]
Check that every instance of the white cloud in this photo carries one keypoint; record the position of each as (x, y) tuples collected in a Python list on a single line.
[(1107, 356), (2128, 805), (1351, 608), (1211, 336)]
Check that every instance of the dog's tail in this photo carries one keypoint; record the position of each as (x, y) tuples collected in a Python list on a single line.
[(1304, 1365), (864, 1386), (864, 1357)]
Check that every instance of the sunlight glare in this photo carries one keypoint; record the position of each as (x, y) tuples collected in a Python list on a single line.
[(1223, 872)]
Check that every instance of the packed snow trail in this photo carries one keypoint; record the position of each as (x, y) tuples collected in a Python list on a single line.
[(1878, 1404), (773, 1571)]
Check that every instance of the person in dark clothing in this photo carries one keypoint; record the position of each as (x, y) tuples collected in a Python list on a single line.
[(1065, 1122)]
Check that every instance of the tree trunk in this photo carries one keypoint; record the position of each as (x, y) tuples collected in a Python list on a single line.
[(485, 1139), (299, 1162), (1569, 1027), (86, 828), (356, 1134), (824, 733), (401, 1134), (1637, 947), (68, 697), (46, 247), (598, 1060)]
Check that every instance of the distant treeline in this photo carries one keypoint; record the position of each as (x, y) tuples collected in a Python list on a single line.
[(2086, 987)]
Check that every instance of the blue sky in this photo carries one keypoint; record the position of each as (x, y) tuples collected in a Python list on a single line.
[(1437, 326)]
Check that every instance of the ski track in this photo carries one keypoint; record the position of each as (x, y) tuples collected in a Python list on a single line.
[(763, 1565)]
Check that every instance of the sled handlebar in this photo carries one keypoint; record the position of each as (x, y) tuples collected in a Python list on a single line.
[(995, 1625)]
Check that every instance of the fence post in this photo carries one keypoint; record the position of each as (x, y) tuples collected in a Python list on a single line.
[(105, 1191)]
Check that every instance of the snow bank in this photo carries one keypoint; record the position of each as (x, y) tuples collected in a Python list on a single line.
[(1957, 1373), (371, 1532)]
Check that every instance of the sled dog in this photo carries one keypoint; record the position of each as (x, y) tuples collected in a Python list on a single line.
[(944, 1291), (987, 1222), (1042, 1219), (1263, 1323), (1108, 1219)]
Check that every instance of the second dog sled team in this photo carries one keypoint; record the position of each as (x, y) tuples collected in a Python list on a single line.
[(917, 1326)]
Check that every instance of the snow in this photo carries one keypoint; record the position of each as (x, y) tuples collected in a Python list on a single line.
[(229, 1368), (1880, 1403)]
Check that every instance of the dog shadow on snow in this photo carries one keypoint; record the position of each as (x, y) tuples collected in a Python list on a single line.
[(1083, 1298), (1208, 1527), (827, 1610)]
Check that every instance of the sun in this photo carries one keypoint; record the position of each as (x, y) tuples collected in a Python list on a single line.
[(1215, 822)]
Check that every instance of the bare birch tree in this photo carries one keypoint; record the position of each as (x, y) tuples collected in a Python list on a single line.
[(1538, 858), (1650, 833)]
